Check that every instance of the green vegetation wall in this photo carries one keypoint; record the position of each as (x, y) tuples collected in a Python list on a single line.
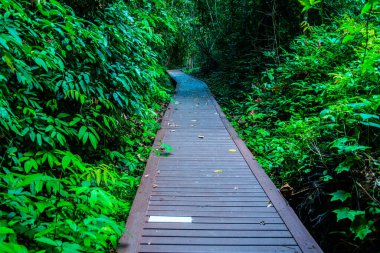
[(300, 81), (80, 93)]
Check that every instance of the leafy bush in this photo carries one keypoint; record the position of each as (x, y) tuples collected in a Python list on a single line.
[(311, 118), (79, 99)]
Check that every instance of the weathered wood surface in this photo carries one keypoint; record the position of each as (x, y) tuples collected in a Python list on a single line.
[(212, 178)]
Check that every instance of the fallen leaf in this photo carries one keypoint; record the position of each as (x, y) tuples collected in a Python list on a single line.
[(218, 171), (232, 150), (287, 190)]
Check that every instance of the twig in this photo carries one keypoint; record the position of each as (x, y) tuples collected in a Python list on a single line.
[(369, 195), (367, 33)]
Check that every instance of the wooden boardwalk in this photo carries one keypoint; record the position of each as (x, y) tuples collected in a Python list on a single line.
[(209, 194)]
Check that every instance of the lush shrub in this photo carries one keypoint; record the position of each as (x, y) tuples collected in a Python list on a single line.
[(312, 120), (79, 99)]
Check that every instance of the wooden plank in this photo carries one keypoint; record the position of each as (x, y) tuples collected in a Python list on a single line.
[(216, 226), (259, 193), (220, 180), (217, 241), (217, 249), (208, 203), (217, 233), (214, 214), (218, 187), (174, 173), (201, 190), (205, 185), (228, 199), (234, 220), (214, 209)]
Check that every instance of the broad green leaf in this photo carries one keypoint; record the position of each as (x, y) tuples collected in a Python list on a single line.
[(371, 124), (49, 128), (340, 195), (348, 38), (66, 161), (85, 137), (346, 213), (366, 7), (5, 230), (93, 140), (82, 131), (363, 230), (49, 241), (366, 116), (342, 167), (41, 206), (39, 139)]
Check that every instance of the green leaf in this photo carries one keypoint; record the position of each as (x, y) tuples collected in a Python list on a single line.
[(14, 33), (93, 140), (49, 128), (340, 195), (39, 139), (371, 124), (41, 206), (66, 161), (85, 137), (363, 230), (28, 165), (32, 136), (367, 7), (71, 248), (348, 38), (49, 241), (51, 159), (74, 121), (366, 116), (61, 139), (82, 131), (342, 167), (5, 230), (346, 213)]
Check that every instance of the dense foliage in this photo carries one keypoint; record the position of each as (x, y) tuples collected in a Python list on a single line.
[(82, 87), (80, 93), (308, 106)]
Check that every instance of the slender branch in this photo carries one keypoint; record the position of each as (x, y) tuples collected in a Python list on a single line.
[(367, 33)]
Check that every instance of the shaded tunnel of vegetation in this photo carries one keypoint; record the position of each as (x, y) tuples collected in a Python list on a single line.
[(83, 87)]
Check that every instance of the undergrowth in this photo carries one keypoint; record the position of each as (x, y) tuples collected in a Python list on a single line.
[(81, 89), (311, 118)]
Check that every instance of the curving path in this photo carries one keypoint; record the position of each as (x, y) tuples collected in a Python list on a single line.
[(208, 194)]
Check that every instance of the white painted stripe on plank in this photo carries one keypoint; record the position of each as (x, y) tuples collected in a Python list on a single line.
[(170, 219)]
